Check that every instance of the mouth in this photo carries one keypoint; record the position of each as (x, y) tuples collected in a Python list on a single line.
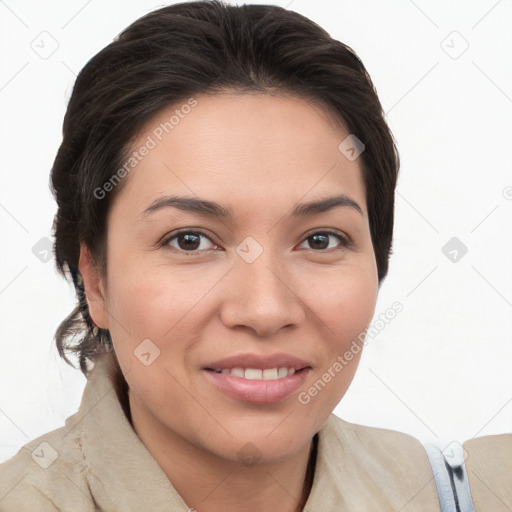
[(258, 379), (259, 373)]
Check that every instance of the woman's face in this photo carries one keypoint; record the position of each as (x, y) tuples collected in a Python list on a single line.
[(207, 324)]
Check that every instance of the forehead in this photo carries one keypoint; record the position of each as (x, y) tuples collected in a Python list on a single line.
[(255, 147)]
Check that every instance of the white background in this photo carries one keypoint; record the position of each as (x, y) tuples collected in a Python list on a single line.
[(441, 368)]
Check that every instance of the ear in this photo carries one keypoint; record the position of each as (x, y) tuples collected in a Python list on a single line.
[(94, 288)]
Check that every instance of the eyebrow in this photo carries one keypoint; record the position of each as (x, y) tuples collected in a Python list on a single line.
[(213, 209)]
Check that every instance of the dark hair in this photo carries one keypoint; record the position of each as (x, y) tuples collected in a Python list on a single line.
[(185, 49)]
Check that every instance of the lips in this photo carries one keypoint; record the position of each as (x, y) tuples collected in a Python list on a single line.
[(257, 379), (258, 373), (258, 362)]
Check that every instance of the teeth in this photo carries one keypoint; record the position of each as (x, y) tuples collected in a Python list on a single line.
[(270, 374), (253, 374), (283, 372), (237, 372), (257, 374)]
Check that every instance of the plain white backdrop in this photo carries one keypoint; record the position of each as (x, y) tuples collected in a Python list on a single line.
[(441, 368)]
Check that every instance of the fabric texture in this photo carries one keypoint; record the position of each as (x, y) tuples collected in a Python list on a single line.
[(96, 462), (489, 467)]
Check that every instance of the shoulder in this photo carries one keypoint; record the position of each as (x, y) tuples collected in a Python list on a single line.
[(47, 474), (391, 469), (396, 448), (489, 467)]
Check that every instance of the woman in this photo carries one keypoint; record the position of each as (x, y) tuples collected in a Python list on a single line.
[(225, 191)]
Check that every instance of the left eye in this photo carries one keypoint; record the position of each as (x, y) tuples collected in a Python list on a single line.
[(320, 238)]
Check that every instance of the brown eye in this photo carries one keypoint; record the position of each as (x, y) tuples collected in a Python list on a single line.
[(323, 240), (188, 241)]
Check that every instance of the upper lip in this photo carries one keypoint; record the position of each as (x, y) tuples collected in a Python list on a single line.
[(258, 361)]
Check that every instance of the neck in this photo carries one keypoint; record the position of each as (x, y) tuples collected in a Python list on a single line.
[(208, 483)]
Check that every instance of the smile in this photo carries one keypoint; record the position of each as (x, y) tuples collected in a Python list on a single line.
[(256, 385), (258, 374)]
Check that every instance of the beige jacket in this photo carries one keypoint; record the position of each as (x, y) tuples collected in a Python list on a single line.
[(96, 462)]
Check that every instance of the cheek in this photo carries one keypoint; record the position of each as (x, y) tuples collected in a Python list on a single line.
[(344, 302), (344, 307), (150, 313), (149, 301)]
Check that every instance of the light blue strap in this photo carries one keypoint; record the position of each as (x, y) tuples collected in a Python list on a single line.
[(450, 477)]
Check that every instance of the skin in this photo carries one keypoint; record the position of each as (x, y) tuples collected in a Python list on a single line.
[(259, 155)]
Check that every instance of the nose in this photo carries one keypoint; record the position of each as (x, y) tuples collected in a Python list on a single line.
[(262, 297)]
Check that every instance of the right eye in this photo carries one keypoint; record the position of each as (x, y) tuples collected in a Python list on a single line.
[(187, 241)]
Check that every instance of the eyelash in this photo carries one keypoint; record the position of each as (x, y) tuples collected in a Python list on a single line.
[(346, 242)]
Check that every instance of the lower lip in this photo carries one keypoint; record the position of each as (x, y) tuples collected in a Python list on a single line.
[(257, 390)]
